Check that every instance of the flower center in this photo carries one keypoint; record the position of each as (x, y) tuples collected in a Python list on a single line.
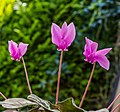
[(91, 58), (62, 45)]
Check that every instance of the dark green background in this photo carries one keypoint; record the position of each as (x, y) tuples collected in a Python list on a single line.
[(96, 19)]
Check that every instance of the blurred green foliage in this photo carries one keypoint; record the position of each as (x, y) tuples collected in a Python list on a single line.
[(30, 22)]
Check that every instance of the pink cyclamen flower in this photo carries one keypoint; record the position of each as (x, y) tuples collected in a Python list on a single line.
[(92, 55), (17, 51), (64, 36)]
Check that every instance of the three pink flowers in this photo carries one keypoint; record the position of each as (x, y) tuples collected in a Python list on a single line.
[(63, 38)]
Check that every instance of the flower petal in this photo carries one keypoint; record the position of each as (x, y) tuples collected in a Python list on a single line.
[(64, 30), (92, 46), (70, 36), (22, 48), (56, 34), (104, 51), (17, 56), (88, 41), (103, 61), (87, 48), (12, 47)]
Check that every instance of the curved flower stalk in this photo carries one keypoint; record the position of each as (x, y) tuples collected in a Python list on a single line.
[(3, 95), (116, 108), (114, 101), (17, 52), (92, 56), (62, 38)]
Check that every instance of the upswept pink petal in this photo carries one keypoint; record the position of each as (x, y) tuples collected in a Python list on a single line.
[(103, 61), (70, 36), (22, 48), (56, 34), (88, 41), (64, 30), (12, 47), (94, 47), (87, 50), (90, 47), (104, 51)]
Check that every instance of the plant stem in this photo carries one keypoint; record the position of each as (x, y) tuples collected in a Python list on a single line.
[(85, 92), (116, 107), (113, 101), (26, 76), (3, 95), (59, 72)]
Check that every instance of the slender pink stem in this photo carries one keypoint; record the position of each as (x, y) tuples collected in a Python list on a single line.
[(113, 101), (89, 81), (59, 72), (26, 76), (116, 107), (3, 95)]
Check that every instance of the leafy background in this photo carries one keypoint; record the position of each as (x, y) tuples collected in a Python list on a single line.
[(30, 21)]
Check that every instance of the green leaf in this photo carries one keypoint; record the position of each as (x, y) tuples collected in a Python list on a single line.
[(39, 101), (69, 105), (42, 103), (101, 110), (34, 109), (10, 111), (16, 103)]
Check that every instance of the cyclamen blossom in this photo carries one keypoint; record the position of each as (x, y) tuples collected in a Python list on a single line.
[(64, 36), (92, 55), (17, 51)]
